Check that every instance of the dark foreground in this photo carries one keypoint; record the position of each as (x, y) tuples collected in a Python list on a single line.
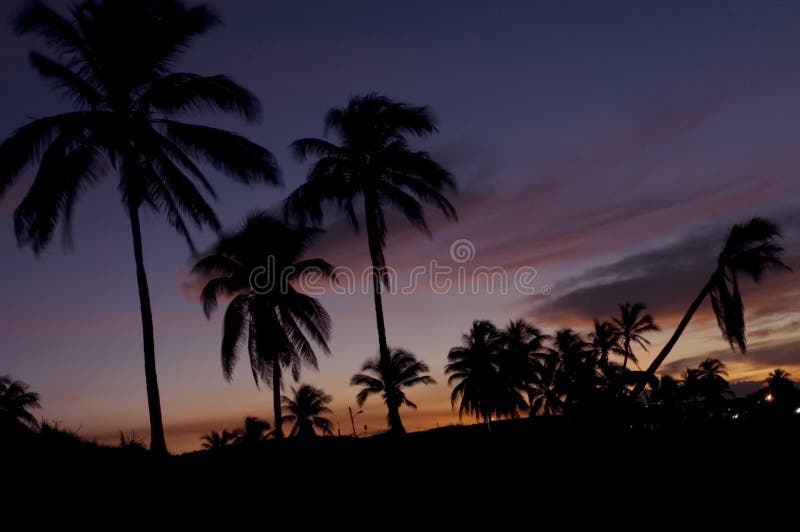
[(523, 462)]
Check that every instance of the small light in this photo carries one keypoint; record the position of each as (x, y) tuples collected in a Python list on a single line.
[(797, 410), (735, 416), (769, 398)]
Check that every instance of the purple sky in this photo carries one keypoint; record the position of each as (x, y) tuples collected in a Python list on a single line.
[(609, 145)]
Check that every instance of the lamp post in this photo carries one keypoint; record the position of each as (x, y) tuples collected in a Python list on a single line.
[(352, 418)]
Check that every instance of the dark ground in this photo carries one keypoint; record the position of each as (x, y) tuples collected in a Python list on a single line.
[(523, 466)]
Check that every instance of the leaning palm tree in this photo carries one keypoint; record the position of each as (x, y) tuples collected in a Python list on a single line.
[(389, 381), (630, 327), (480, 388), (114, 61), (218, 440), (16, 402), (750, 249), (305, 409), (255, 268), (373, 165)]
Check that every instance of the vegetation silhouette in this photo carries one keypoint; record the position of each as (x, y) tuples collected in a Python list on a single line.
[(305, 409), (255, 268), (373, 168), (254, 431), (480, 386), (16, 403), (217, 440), (750, 249), (389, 381), (630, 328), (114, 61)]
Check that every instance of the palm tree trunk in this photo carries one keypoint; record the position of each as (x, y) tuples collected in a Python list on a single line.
[(395, 425), (651, 370), (158, 444), (276, 397)]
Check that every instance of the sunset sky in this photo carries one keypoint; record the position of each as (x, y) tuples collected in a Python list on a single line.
[(608, 145)]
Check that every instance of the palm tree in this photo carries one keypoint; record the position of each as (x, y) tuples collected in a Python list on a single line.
[(750, 249), (114, 61), (778, 381), (605, 340), (389, 381), (577, 376), (306, 409), (16, 401), (545, 393), (520, 352), (254, 431), (373, 165), (254, 267), (480, 388), (630, 327), (709, 378), (218, 440)]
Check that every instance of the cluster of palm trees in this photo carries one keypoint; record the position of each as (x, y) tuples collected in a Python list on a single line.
[(115, 61), (499, 373)]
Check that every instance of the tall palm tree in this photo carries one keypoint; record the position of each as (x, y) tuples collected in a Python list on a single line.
[(480, 388), (389, 381), (218, 440), (750, 249), (374, 166), (16, 402), (305, 409), (254, 431), (630, 327), (255, 267), (114, 61)]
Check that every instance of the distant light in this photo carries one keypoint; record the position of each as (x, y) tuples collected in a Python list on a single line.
[(736, 416), (769, 398), (797, 410)]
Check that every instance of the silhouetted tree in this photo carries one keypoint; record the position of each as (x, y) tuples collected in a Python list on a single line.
[(480, 388), (114, 60), (784, 397), (16, 402), (373, 165), (254, 431), (578, 375), (710, 380), (605, 340), (779, 382), (545, 393), (217, 440), (750, 249), (630, 327), (519, 353), (254, 267), (389, 381), (305, 409)]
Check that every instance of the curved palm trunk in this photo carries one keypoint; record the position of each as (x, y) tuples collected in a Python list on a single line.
[(395, 425), (276, 397), (158, 444), (651, 370)]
